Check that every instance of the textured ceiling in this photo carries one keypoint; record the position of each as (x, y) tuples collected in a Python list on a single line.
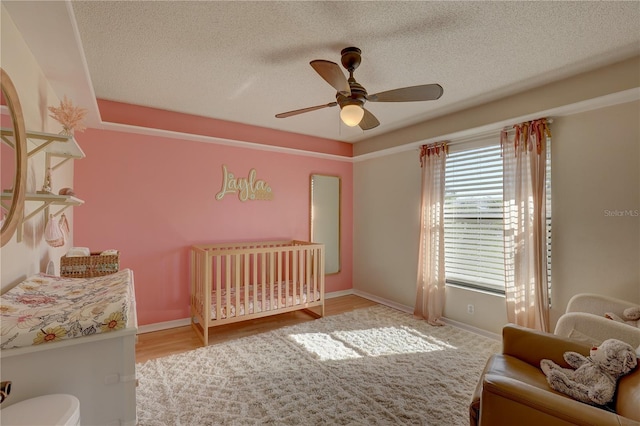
[(247, 61)]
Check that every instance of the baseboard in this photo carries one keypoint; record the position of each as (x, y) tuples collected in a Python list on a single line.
[(383, 301), (159, 326), (472, 329), (340, 293)]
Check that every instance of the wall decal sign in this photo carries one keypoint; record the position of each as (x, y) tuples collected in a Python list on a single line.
[(248, 188)]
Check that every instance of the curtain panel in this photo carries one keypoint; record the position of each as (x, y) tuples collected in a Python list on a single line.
[(430, 296), (524, 197)]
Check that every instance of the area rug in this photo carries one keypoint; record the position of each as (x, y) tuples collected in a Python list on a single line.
[(373, 366)]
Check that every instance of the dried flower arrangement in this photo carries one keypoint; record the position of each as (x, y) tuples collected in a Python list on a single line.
[(69, 116)]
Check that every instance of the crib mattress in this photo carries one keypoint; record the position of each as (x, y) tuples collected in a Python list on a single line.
[(255, 303), (44, 308)]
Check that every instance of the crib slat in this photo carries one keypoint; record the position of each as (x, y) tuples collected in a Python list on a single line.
[(227, 285), (313, 272), (266, 278), (287, 274), (310, 285), (217, 286), (289, 284), (263, 274), (293, 285), (321, 275), (236, 281), (301, 256), (245, 259), (254, 280), (298, 283), (277, 276), (316, 270), (305, 275)]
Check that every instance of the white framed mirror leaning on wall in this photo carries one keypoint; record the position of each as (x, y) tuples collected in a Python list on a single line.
[(325, 205)]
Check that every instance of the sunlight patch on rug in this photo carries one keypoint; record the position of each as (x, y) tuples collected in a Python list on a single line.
[(379, 341), (325, 346)]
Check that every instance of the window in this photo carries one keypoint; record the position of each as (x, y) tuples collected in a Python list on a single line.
[(473, 218)]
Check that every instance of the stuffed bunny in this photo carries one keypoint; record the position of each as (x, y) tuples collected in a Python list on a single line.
[(595, 377)]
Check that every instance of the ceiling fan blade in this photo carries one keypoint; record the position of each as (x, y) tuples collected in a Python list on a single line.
[(303, 110), (332, 74), (369, 121), (426, 92)]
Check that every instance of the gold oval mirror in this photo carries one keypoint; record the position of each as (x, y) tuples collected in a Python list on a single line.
[(13, 159)]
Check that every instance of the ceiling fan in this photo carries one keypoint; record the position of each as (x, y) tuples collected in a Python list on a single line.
[(351, 96)]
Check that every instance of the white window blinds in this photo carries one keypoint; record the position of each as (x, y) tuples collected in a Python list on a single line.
[(473, 218)]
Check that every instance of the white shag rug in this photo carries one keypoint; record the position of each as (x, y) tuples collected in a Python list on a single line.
[(373, 366)]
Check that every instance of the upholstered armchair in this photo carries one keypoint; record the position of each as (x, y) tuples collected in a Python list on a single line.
[(512, 389), (584, 320)]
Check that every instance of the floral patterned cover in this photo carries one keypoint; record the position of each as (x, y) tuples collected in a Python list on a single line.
[(44, 308)]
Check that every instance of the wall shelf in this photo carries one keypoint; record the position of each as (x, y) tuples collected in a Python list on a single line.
[(63, 146), (53, 145), (46, 200)]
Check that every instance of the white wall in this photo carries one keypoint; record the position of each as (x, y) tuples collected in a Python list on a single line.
[(386, 226), (30, 256), (595, 177), (595, 167)]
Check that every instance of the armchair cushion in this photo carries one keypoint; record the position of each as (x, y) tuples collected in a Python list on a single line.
[(513, 389), (506, 401)]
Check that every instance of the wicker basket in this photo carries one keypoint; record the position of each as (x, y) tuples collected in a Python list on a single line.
[(94, 265)]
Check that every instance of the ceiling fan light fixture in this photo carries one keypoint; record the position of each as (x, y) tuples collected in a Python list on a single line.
[(351, 114)]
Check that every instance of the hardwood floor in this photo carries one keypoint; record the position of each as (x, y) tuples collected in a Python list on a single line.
[(181, 339)]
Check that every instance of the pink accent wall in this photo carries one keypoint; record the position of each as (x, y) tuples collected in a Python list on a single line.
[(152, 198)]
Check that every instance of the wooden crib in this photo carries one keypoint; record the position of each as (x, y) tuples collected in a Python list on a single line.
[(234, 282)]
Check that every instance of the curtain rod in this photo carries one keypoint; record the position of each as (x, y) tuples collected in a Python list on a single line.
[(453, 141)]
